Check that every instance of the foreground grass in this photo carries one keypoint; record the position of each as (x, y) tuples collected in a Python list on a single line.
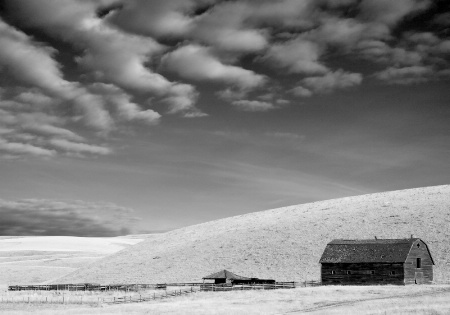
[(319, 300)]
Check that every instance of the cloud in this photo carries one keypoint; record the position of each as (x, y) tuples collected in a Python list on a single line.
[(442, 19), (253, 106), (17, 148), (108, 54), (123, 107), (391, 12), (331, 81), (156, 18), (30, 62), (50, 130), (40, 217), (78, 148), (224, 27), (33, 132), (405, 75), (298, 56), (198, 63)]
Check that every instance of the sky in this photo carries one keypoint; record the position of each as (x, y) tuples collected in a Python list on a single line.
[(139, 116)]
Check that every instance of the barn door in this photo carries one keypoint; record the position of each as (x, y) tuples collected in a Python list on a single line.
[(419, 277)]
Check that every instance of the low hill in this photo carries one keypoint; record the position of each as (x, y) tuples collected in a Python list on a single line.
[(283, 244), (36, 259)]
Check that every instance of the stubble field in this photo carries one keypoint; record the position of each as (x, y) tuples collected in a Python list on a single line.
[(373, 300)]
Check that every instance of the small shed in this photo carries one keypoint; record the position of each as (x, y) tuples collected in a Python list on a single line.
[(377, 261), (224, 276)]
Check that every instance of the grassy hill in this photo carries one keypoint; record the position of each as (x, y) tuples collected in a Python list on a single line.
[(284, 244)]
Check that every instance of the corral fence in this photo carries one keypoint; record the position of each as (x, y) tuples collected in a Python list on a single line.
[(163, 286), (87, 287), (49, 300), (148, 297), (59, 297)]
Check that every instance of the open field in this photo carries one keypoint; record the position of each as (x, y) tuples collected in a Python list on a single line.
[(365, 300), (284, 244), (37, 259)]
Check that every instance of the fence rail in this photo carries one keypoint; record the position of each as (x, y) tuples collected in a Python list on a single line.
[(154, 286), (151, 297)]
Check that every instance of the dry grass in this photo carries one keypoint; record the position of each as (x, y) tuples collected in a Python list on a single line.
[(284, 244), (319, 300)]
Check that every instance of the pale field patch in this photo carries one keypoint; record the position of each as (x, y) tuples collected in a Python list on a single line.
[(105, 245), (39, 259), (365, 300)]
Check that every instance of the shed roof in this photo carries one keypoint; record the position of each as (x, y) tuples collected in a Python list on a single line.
[(367, 251), (225, 274)]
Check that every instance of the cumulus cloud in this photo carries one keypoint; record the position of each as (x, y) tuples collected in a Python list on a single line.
[(198, 63), (224, 27), (42, 217), (157, 17), (301, 91), (391, 12), (123, 106), (30, 62), (405, 75), (331, 81), (134, 56), (253, 106), (109, 54), (298, 55)]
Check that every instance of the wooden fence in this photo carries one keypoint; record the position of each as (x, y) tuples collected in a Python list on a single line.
[(151, 297), (86, 287), (139, 286)]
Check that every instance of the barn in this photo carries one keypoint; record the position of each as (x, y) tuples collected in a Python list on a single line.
[(376, 261)]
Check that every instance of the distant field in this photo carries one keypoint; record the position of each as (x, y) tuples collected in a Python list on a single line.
[(33, 260), (284, 244), (419, 300)]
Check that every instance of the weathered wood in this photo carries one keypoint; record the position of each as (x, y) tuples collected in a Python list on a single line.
[(426, 267), (416, 266), (362, 273)]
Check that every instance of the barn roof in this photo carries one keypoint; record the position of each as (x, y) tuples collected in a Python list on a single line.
[(225, 274), (367, 251)]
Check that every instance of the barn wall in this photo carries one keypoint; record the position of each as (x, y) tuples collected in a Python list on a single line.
[(411, 270), (361, 273)]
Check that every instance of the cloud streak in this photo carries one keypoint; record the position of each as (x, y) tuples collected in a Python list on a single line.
[(42, 217)]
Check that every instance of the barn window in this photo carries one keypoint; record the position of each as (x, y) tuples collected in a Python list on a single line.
[(419, 263), (418, 245), (349, 272), (392, 273), (372, 272)]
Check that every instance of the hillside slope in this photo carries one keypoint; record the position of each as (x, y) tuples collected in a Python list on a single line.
[(284, 244)]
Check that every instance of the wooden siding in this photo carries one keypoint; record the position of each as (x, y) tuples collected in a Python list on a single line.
[(423, 275), (361, 273)]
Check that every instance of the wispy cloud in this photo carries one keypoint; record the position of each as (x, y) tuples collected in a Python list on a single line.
[(39, 217)]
